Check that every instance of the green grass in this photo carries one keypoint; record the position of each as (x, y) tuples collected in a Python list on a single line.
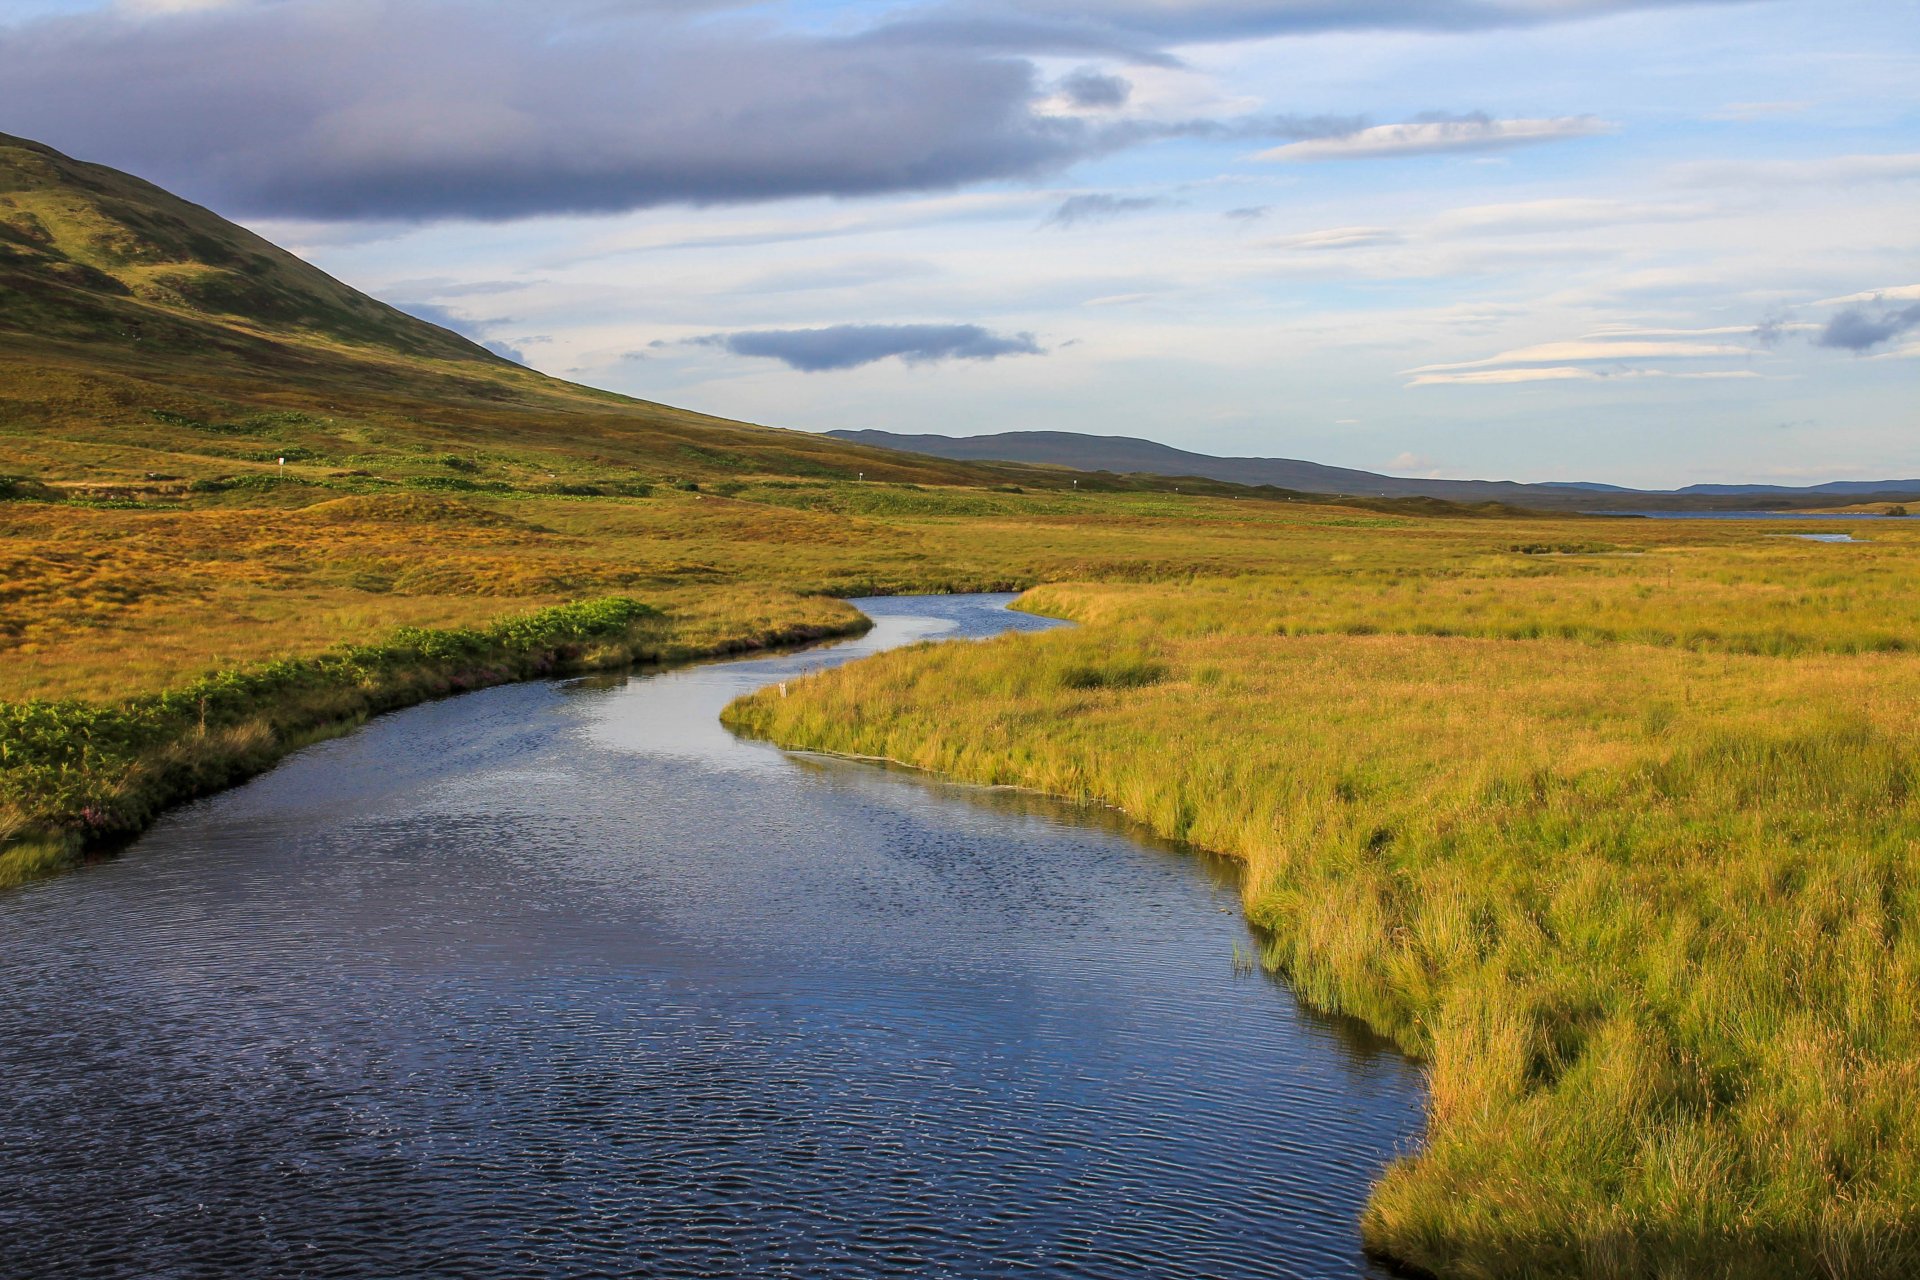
[(75, 774)]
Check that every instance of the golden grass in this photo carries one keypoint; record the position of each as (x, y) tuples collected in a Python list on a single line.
[(1613, 821), (1624, 846)]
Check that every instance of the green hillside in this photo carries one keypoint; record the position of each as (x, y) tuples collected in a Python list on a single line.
[(140, 333)]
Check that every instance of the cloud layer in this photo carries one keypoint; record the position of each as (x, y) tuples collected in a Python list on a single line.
[(514, 108), (1428, 136), (499, 111), (848, 346), (1144, 29)]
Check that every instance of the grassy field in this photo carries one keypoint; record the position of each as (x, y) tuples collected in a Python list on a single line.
[(1616, 830), (1611, 821), (216, 461)]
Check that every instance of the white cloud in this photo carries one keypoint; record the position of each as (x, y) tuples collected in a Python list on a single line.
[(1338, 238), (1604, 348), (1898, 293), (1500, 377), (1563, 373), (1417, 464), (1425, 137), (1563, 214), (1726, 330)]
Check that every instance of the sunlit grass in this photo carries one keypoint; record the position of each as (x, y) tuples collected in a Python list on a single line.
[(1644, 897)]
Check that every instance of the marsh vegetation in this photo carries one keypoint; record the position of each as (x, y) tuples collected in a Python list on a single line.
[(1622, 845)]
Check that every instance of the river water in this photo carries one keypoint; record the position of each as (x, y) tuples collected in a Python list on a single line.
[(563, 980)]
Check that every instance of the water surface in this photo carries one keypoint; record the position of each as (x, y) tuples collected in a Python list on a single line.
[(563, 980)]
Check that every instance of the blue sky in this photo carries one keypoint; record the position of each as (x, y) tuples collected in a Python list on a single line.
[(1619, 240)]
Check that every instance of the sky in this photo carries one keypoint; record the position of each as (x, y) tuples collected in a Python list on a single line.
[(1647, 242)]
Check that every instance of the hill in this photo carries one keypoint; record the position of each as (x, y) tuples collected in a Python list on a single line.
[(1130, 456), (213, 453), (140, 333)]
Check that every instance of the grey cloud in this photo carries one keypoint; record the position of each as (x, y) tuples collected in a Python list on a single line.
[(1090, 89), (1864, 328), (501, 111), (1291, 128), (1097, 207), (847, 346), (1247, 213), (511, 109), (1773, 330)]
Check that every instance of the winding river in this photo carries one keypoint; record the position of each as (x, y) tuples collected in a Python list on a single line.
[(563, 980)]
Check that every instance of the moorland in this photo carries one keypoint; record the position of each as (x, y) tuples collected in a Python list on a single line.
[(1610, 821)]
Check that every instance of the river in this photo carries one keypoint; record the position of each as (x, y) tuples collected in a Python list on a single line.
[(563, 980)]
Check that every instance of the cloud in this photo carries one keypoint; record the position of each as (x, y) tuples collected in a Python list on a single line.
[(504, 110), (1606, 354), (499, 111), (1899, 293), (1248, 213), (1098, 207), (1563, 373), (1498, 377), (1866, 327), (1090, 90), (1571, 213), (1144, 29), (1438, 135), (1780, 325), (1339, 238), (1602, 347), (847, 346)]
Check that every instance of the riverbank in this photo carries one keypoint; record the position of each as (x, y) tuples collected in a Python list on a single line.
[(1643, 899), (77, 776), (571, 951)]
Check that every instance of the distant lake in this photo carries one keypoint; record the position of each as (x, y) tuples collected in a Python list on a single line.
[(563, 980)]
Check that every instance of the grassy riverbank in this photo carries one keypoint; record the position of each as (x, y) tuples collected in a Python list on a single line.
[(1622, 844), (76, 774)]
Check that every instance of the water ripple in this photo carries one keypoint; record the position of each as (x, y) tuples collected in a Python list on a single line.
[(562, 981)]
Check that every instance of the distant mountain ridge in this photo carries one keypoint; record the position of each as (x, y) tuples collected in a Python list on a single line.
[(1127, 455)]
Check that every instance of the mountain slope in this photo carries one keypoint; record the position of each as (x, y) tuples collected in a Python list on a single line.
[(140, 333), (87, 251), (1128, 455)]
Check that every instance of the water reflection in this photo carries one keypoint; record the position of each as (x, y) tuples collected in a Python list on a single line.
[(566, 981)]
